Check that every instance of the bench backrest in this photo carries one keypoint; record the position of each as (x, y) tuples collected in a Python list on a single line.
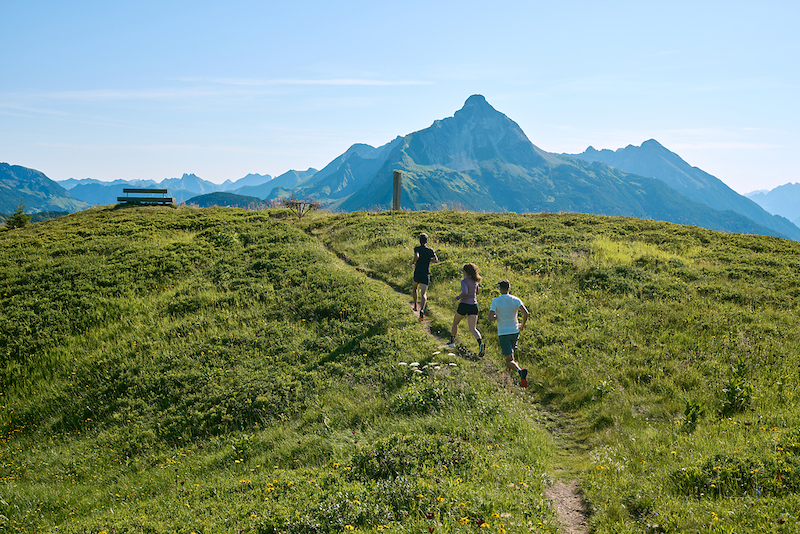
[(156, 191)]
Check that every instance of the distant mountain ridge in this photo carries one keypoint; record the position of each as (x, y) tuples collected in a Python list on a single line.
[(286, 180), (653, 160), (181, 189), (346, 174), (481, 160), (783, 200)]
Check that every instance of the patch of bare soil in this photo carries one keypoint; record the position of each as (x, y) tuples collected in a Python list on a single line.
[(572, 511), (425, 323)]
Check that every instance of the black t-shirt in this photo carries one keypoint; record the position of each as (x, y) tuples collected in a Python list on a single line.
[(426, 254)]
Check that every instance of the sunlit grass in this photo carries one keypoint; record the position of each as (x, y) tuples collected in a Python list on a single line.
[(221, 370), (658, 346)]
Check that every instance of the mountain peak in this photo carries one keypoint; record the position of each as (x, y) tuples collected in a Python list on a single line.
[(476, 100), (476, 104), (653, 144)]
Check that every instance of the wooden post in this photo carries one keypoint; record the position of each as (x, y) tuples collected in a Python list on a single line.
[(398, 176)]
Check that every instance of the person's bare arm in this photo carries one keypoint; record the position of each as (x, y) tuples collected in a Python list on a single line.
[(525, 314), (492, 315)]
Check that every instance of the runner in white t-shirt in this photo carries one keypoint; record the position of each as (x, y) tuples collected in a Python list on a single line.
[(504, 310)]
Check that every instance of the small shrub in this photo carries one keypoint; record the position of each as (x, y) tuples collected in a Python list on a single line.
[(18, 219), (401, 454), (738, 392), (692, 413), (420, 397)]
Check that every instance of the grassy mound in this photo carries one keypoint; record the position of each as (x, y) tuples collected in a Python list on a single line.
[(218, 370)]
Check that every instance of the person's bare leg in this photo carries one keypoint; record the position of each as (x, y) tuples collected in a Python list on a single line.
[(423, 293), (511, 365), (454, 330), (472, 321), (414, 294)]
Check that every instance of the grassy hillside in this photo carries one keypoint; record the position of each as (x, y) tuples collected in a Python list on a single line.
[(190, 370), (222, 370)]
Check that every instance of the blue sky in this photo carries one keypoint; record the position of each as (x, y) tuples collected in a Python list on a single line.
[(155, 89)]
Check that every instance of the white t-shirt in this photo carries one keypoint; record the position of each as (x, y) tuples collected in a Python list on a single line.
[(506, 307)]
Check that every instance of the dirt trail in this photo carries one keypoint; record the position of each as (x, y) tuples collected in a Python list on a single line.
[(571, 508), (566, 498)]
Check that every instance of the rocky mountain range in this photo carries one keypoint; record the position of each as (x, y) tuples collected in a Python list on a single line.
[(481, 160), (652, 159)]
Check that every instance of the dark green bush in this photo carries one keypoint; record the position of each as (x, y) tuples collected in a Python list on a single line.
[(398, 454)]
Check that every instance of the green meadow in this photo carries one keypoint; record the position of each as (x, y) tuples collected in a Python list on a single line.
[(222, 370)]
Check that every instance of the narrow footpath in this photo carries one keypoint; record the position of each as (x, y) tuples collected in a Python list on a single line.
[(565, 497)]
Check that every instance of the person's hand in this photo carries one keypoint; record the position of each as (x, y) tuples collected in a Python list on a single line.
[(521, 327)]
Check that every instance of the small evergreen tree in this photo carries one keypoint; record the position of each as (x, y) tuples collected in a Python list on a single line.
[(18, 219)]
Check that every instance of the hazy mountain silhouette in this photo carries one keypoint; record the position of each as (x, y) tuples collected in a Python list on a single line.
[(286, 180), (784, 200), (181, 189), (249, 180), (653, 160)]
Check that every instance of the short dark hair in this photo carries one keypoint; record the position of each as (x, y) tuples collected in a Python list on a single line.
[(423, 238), (504, 283)]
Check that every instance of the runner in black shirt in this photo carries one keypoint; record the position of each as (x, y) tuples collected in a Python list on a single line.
[(423, 256)]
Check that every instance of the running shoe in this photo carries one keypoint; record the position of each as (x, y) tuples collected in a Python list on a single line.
[(481, 348), (523, 374)]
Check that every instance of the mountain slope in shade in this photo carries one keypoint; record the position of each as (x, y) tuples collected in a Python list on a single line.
[(36, 191), (349, 172), (653, 160), (100, 194)]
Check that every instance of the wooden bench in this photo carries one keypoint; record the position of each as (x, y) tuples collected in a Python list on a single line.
[(163, 200)]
